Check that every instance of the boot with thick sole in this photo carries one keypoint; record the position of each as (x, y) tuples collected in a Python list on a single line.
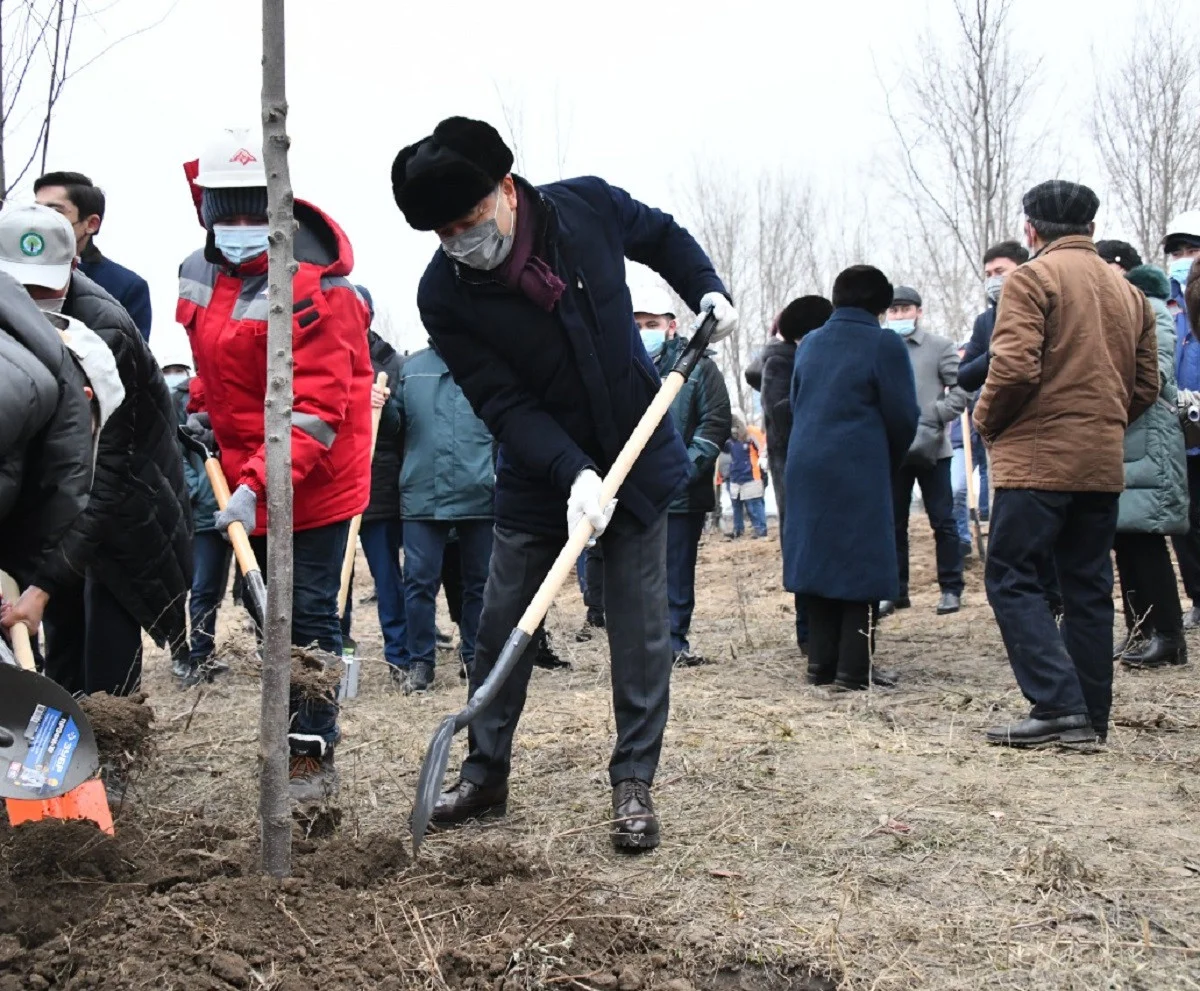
[(312, 779)]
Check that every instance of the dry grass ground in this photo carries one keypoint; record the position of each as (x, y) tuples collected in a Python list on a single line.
[(871, 837)]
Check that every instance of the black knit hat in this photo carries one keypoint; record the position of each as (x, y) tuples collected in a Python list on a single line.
[(803, 315), (1119, 253), (234, 201), (440, 178), (1061, 202), (864, 287), (906, 296), (1150, 280)]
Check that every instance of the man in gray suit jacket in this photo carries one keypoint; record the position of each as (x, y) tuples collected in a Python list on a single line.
[(935, 368)]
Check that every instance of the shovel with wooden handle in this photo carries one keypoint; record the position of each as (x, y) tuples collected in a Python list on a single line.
[(238, 537), (972, 494), (437, 757), (349, 684), (47, 748)]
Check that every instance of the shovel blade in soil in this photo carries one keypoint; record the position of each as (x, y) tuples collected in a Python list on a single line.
[(46, 742), (429, 784)]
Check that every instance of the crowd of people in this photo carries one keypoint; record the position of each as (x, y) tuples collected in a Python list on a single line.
[(484, 449)]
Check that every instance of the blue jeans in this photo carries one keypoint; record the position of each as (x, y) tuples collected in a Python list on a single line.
[(958, 482), (381, 540), (424, 546), (316, 579), (683, 541), (756, 509), (210, 576)]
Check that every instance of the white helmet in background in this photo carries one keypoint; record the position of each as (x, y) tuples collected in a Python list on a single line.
[(232, 160), (1184, 226), (176, 352), (653, 300)]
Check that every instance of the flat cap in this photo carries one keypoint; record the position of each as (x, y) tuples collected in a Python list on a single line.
[(1058, 201)]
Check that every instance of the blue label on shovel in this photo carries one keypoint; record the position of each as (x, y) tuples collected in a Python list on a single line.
[(53, 739)]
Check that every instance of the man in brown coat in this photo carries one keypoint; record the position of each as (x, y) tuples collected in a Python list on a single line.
[(1073, 362)]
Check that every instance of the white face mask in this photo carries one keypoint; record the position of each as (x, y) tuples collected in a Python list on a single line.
[(54, 305), (482, 247)]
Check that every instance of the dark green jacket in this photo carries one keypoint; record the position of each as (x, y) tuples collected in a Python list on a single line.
[(448, 471), (702, 417), (1155, 499), (203, 499)]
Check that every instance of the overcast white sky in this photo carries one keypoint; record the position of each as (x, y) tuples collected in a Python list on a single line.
[(642, 89)]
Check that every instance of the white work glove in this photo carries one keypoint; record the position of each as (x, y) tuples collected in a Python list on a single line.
[(722, 309), (242, 508), (1185, 399), (584, 501)]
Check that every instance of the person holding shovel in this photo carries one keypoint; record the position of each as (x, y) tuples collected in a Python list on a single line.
[(223, 307), (527, 304)]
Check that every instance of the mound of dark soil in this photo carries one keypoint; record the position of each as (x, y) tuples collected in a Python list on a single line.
[(122, 726)]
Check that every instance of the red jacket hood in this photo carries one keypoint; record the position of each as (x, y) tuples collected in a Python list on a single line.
[(320, 237)]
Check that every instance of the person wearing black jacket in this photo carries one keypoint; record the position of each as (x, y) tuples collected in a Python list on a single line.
[(125, 564), (527, 303), (999, 262), (702, 417), (381, 533), (45, 437)]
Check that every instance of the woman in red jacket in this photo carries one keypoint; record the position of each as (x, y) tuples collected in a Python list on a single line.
[(223, 306)]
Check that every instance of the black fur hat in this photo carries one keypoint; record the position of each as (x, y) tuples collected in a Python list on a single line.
[(1120, 253), (864, 287), (441, 177), (803, 315)]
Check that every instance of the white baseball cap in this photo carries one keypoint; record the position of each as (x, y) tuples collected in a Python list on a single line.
[(37, 246)]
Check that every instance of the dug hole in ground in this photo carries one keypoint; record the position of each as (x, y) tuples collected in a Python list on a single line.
[(812, 840)]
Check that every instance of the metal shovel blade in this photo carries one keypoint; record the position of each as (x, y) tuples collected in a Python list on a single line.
[(47, 747), (429, 784)]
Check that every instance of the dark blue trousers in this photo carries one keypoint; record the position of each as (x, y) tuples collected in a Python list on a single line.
[(381, 541), (211, 554), (683, 542)]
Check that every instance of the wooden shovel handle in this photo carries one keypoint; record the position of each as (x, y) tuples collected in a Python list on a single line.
[(969, 462), (22, 647), (381, 380), (237, 533)]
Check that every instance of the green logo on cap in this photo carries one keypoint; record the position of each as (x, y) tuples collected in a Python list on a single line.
[(32, 244)]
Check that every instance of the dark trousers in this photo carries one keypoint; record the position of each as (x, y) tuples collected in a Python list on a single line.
[(211, 554), (424, 548), (683, 544), (592, 583), (841, 640), (1063, 670), (452, 580), (316, 580), (381, 540), (92, 643), (635, 596), (1148, 589), (1187, 546), (938, 497), (778, 468)]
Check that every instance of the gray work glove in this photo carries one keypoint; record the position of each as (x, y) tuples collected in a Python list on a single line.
[(242, 508), (198, 426)]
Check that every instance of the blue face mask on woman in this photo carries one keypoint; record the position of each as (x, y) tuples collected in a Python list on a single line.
[(239, 244), (1181, 268), (904, 328)]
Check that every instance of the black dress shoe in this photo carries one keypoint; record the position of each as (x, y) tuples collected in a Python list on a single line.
[(888, 606), (950, 602), (1131, 643), (1191, 618), (1032, 732), (186, 673), (635, 824), (1157, 652), (465, 801)]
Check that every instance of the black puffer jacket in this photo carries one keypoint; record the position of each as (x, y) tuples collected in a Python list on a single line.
[(771, 375), (136, 533), (389, 446), (45, 436)]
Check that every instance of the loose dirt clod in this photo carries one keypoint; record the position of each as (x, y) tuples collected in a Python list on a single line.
[(122, 726), (315, 674)]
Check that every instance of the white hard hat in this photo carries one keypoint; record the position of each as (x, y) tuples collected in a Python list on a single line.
[(1186, 224), (175, 352), (653, 299), (232, 160)]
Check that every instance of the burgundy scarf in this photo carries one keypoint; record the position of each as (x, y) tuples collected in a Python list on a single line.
[(523, 270)]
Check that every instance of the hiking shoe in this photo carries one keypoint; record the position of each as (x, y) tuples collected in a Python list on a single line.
[(420, 678), (635, 824), (398, 677), (312, 779)]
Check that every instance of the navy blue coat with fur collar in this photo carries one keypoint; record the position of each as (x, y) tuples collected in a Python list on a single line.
[(562, 391)]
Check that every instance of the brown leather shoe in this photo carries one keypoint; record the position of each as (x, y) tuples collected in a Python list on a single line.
[(465, 801), (635, 825)]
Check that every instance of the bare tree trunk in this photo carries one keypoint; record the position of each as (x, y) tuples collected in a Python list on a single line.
[(274, 807)]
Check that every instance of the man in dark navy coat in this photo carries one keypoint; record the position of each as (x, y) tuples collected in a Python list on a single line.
[(527, 304)]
